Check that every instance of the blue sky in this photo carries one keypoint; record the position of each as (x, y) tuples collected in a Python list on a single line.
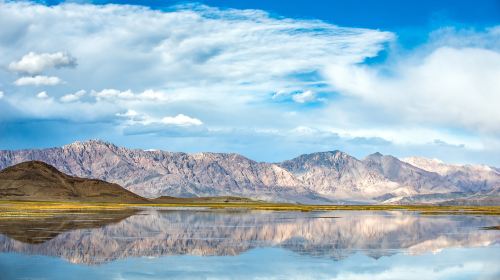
[(260, 78)]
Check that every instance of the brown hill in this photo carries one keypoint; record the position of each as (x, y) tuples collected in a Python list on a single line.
[(38, 181)]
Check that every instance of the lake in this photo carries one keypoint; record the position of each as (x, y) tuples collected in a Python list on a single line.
[(245, 244)]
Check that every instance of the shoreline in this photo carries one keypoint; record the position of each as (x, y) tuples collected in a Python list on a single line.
[(11, 208)]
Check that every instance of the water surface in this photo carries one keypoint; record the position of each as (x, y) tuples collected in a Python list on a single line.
[(224, 244)]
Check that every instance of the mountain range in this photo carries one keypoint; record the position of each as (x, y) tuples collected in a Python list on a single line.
[(323, 177)]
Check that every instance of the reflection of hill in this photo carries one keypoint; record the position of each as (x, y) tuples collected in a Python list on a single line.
[(160, 233), (41, 229)]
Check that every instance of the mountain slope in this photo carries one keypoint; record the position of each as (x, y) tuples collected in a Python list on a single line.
[(468, 178), (38, 181), (312, 178), (338, 175)]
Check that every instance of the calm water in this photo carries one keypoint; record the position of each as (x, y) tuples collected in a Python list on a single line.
[(188, 244)]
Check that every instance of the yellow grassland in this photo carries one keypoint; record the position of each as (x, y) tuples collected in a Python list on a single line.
[(13, 209)]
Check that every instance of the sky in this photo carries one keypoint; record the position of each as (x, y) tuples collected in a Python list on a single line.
[(265, 79)]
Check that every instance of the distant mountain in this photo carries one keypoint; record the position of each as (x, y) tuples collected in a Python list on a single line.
[(38, 181), (325, 177), (339, 175), (470, 178)]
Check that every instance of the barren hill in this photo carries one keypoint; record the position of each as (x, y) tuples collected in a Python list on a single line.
[(38, 181)]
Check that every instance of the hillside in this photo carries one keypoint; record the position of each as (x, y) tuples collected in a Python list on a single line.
[(38, 181)]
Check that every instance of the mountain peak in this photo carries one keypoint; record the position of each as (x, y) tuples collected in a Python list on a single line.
[(375, 157), (327, 155), (329, 159), (91, 143), (378, 157)]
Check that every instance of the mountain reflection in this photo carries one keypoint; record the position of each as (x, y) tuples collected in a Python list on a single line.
[(35, 230), (326, 234)]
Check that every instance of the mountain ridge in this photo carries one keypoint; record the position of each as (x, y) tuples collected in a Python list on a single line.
[(322, 177)]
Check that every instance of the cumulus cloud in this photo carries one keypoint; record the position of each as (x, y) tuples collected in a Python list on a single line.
[(132, 117), (297, 96), (114, 94), (304, 97), (181, 120), (42, 95), (35, 63), (73, 96), (449, 86), (136, 123), (1, 94), (38, 81)]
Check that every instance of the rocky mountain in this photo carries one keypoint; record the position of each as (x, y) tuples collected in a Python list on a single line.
[(467, 177), (324, 177), (158, 173), (38, 181), (338, 175)]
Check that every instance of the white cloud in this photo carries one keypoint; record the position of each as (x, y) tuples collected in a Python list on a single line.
[(128, 114), (132, 117), (135, 118), (115, 95), (304, 97), (181, 120), (38, 81), (1, 94), (280, 93), (179, 126), (122, 46), (42, 95), (112, 94), (303, 131), (34, 63), (457, 87), (297, 96), (73, 96)]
